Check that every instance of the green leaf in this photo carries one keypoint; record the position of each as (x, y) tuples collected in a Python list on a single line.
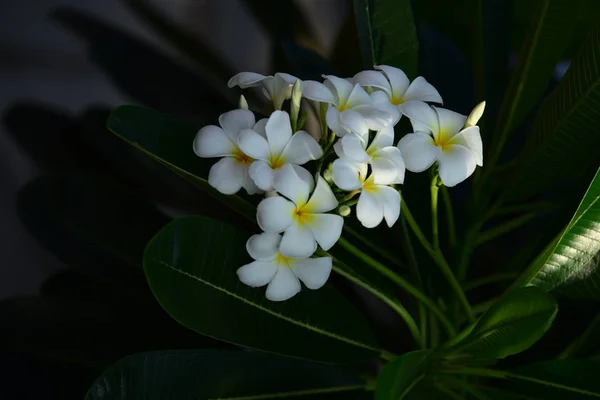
[(387, 34), (565, 128), (566, 260), (191, 268), (510, 326), (224, 375), (400, 376), (169, 142)]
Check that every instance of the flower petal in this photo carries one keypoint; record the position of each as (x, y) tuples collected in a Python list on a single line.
[(389, 198), (457, 163), (374, 79), (418, 151), (345, 175), (227, 175), (376, 118), (262, 175), (326, 228), (212, 141), (285, 285), (322, 199), (358, 96), (354, 122), (382, 102), (450, 122), (288, 182), (368, 210), (383, 138), (279, 131), (423, 114), (333, 122), (264, 246), (302, 148), (354, 148), (259, 127), (298, 242), (341, 87), (313, 272), (275, 214), (254, 145), (398, 79), (248, 183), (235, 121), (394, 155), (422, 90), (471, 139), (291, 79), (245, 79), (305, 176), (257, 273), (384, 171), (316, 91)]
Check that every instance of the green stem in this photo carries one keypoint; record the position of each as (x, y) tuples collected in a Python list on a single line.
[(486, 280), (379, 250), (434, 214), (435, 333), (440, 261), (400, 282), (503, 228), (341, 269), (386, 355), (423, 324), (449, 216)]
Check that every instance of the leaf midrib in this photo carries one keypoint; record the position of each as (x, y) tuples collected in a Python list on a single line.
[(268, 311)]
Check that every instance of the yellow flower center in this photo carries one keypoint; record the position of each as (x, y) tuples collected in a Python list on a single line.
[(276, 162), (443, 139), (282, 260), (397, 100), (242, 158), (302, 216), (369, 185)]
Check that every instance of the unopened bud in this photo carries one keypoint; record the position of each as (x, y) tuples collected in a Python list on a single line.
[(296, 98), (475, 115), (345, 211), (242, 103), (328, 174)]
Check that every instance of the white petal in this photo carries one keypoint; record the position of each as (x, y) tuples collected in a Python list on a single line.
[(259, 127), (322, 199), (345, 175), (384, 171), (374, 79), (382, 101), (227, 175), (291, 185), (383, 138), (280, 90), (245, 79), (450, 122), (394, 155), (333, 122), (302, 148), (375, 117), (456, 164), (291, 79), (248, 183), (471, 139), (254, 144), (257, 273), (421, 113), (211, 141), (422, 90), (354, 122), (368, 210), (354, 148), (305, 176), (389, 198), (418, 151), (398, 79), (284, 286), (275, 214), (316, 91), (235, 121), (358, 96), (326, 228), (264, 246), (279, 131), (339, 150), (340, 86), (262, 175), (298, 242), (313, 272)]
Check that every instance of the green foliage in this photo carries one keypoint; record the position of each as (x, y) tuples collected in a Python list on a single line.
[(398, 378)]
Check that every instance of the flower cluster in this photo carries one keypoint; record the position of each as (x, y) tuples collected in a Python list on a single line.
[(357, 153)]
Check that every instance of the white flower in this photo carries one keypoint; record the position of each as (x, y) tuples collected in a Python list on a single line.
[(396, 88), (384, 158), (283, 274), (272, 144), (375, 202), (342, 96), (439, 136), (229, 174), (303, 221), (276, 88)]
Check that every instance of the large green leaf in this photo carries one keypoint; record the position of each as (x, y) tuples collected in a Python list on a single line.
[(387, 34), (567, 259), (565, 128), (169, 142), (190, 266), (398, 378), (510, 326), (210, 374)]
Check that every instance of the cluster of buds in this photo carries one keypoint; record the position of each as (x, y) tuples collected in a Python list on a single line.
[(356, 155)]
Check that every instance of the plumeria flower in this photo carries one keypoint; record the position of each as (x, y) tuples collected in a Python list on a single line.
[(395, 89), (376, 201), (440, 135), (272, 144), (276, 88), (302, 220), (282, 274), (229, 174), (384, 158), (343, 96)]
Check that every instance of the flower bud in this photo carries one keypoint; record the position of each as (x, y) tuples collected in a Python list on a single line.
[(345, 211)]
